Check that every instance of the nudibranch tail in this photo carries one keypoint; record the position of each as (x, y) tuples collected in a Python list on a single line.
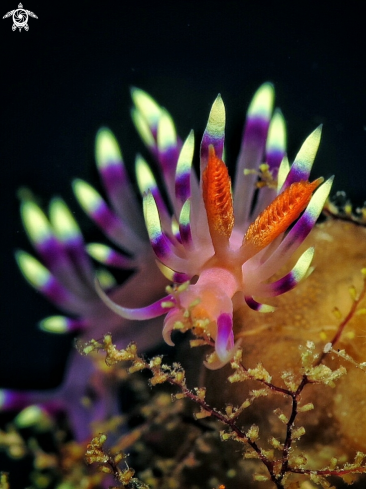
[(216, 190)]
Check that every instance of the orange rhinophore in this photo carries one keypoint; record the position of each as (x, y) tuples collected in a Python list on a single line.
[(216, 190), (280, 214)]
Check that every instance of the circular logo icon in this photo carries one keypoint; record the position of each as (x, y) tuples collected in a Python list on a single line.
[(20, 19)]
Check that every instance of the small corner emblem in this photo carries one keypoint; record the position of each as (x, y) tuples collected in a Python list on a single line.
[(20, 18)]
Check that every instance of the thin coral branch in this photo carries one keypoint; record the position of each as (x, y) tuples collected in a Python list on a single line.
[(278, 469), (356, 302)]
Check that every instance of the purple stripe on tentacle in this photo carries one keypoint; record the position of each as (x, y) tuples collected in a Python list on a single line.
[(169, 157), (186, 234), (255, 132), (273, 159), (168, 160), (160, 204), (122, 198), (58, 294), (105, 218), (296, 174), (252, 303), (114, 176), (14, 400), (217, 142), (76, 325), (299, 232), (119, 261), (183, 187), (283, 285), (257, 306), (158, 308), (116, 229), (289, 244), (75, 249), (69, 263), (180, 278), (162, 246), (225, 337), (18, 400), (52, 253)]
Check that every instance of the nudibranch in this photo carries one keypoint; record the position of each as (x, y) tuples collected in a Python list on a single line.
[(218, 251), (219, 248)]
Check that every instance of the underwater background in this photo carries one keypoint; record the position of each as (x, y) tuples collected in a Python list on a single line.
[(71, 73)]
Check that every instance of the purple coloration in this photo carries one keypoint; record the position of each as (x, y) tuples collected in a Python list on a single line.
[(217, 143), (283, 285), (160, 204), (225, 337), (117, 260), (255, 133), (274, 159), (114, 176), (185, 234), (14, 400), (299, 232), (121, 196), (52, 253), (162, 246), (296, 174), (106, 219), (58, 294), (183, 187), (154, 310), (74, 248), (67, 261), (168, 158), (180, 278), (256, 306), (75, 325)]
